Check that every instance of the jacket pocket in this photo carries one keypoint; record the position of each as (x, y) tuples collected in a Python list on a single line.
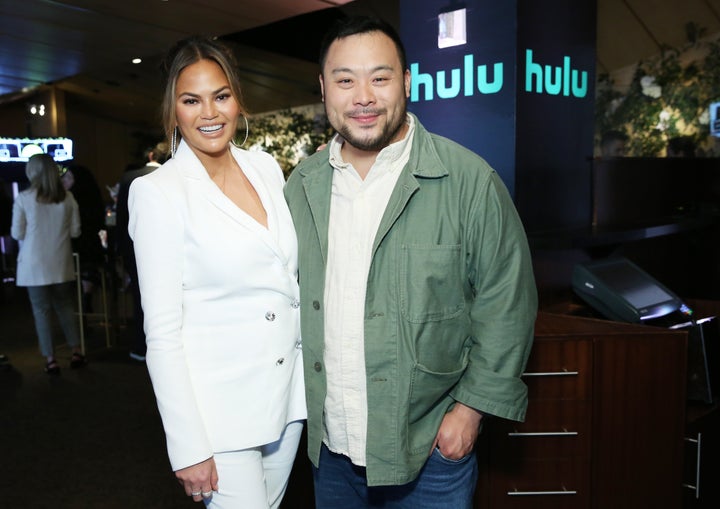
[(431, 286), (429, 401)]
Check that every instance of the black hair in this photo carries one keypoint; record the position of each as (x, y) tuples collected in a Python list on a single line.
[(354, 25)]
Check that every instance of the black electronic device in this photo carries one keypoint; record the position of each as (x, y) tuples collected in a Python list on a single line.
[(622, 291)]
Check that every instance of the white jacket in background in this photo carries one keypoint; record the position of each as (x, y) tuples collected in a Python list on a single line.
[(44, 231)]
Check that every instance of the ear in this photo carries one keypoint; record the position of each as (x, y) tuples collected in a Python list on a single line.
[(322, 87), (406, 79)]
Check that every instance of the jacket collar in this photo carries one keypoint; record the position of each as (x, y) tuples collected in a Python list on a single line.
[(317, 175), (192, 169)]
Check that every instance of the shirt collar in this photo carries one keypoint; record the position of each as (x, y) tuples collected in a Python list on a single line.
[(399, 150)]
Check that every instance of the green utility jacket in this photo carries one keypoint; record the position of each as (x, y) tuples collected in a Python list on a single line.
[(450, 306)]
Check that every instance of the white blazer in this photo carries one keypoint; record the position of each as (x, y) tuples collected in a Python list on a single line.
[(44, 231), (221, 303)]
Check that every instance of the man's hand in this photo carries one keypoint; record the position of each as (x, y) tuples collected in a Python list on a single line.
[(458, 432)]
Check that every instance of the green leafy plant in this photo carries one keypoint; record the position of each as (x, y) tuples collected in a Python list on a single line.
[(668, 96), (289, 135)]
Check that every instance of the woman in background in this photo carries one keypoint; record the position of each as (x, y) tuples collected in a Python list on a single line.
[(216, 254), (45, 217)]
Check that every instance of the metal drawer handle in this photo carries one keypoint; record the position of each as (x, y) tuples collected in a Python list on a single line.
[(696, 487), (525, 493), (543, 434), (552, 373)]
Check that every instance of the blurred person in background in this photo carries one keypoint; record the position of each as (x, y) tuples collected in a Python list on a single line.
[(45, 218), (84, 187), (154, 157)]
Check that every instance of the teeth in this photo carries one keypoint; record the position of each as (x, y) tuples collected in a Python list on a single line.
[(210, 129)]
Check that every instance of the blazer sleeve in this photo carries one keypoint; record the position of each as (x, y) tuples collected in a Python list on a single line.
[(19, 220), (156, 227)]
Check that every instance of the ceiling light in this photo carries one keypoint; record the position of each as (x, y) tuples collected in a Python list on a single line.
[(136, 60), (37, 109)]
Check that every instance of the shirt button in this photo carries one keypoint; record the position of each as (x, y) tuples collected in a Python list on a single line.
[(295, 304), (318, 367), (316, 305), (269, 316)]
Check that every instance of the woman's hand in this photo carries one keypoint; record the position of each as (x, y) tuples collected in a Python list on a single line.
[(199, 481)]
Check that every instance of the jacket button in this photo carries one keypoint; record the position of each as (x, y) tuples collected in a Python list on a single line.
[(295, 304), (318, 367), (316, 305), (269, 316), (280, 361)]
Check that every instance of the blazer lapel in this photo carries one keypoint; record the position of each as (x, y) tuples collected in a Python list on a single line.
[(200, 180)]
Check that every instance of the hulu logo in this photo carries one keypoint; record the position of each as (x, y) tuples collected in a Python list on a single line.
[(459, 79), (556, 79), (469, 79)]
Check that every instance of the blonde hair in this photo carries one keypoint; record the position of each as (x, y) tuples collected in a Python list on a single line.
[(44, 175)]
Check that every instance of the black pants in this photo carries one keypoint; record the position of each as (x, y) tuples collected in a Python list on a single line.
[(137, 343)]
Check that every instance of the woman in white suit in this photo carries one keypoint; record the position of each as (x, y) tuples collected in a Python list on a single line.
[(217, 262)]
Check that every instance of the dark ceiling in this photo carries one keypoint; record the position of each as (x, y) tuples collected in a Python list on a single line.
[(84, 47)]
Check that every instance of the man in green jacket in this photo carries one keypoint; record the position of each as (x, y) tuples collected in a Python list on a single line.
[(418, 299)]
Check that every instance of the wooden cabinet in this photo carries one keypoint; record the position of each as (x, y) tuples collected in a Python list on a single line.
[(702, 433), (702, 457), (604, 426)]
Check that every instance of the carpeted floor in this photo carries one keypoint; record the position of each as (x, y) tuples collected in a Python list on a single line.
[(89, 438)]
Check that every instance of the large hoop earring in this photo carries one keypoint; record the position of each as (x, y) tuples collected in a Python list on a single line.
[(173, 142), (247, 132)]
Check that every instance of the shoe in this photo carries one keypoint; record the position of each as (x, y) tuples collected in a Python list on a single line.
[(77, 361), (137, 357), (52, 368)]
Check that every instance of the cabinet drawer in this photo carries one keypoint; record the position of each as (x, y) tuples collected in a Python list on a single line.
[(554, 428), (538, 484), (559, 369)]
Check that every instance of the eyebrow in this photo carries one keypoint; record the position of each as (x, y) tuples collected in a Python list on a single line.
[(384, 67), (214, 92)]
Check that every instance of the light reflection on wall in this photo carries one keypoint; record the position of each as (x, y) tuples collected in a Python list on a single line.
[(452, 29)]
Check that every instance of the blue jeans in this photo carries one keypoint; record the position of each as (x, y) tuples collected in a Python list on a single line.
[(442, 484), (45, 299)]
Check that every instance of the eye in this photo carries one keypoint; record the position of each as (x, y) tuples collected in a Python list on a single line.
[(189, 100), (224, 96)]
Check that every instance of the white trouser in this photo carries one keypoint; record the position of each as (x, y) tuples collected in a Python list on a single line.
[(256, 478)]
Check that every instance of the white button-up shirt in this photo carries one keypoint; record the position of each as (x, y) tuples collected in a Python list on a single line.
[(356, 208)]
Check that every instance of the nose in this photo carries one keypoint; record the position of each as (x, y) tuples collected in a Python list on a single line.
[(364, 94), (209, 110)]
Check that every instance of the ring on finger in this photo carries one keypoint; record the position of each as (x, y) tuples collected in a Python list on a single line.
[(195, 493), (206, 494)]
